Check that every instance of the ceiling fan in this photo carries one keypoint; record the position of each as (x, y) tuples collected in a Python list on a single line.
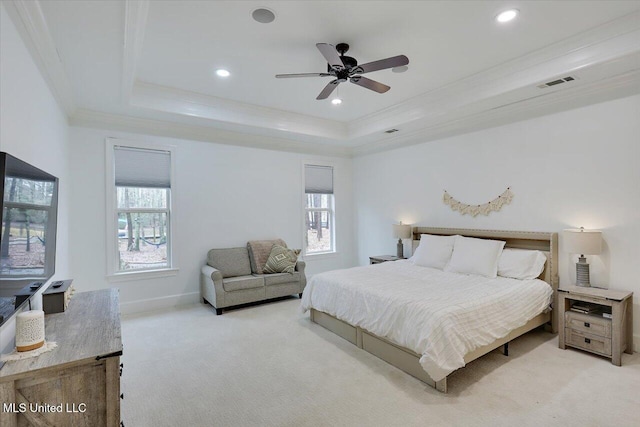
[(345, 68)]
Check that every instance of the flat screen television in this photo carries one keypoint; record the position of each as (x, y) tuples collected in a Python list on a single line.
[(28, 237)]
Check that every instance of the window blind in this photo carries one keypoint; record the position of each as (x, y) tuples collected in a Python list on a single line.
[(318, 179), (135, 167)]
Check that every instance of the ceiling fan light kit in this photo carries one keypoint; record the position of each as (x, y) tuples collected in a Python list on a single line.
[(345, 68)]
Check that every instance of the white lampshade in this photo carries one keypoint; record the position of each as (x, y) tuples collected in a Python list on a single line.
[(401, 231), (581, 241)]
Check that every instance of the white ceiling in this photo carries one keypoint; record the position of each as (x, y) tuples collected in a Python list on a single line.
[(458, 54)]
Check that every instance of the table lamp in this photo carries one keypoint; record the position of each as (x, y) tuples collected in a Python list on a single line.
[(401, 231), (583, 242)]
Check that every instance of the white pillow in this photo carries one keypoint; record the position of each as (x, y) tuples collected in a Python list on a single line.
[(521, 264), (475, 256), (433, 251)]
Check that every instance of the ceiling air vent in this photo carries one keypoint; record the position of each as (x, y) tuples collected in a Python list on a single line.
[(557, 82), (391, 131)]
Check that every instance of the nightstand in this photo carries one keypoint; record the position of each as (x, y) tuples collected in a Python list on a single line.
[(592, 331), (383, 258)]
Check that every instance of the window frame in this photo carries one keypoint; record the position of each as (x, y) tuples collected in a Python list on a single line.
[(331, 211), (113, 257)]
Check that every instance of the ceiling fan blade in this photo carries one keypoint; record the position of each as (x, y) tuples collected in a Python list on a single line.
[(288, 76), (369, 84), (382, 64), (331, 55), (328, 89)]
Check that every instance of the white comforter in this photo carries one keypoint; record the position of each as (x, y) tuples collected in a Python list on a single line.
[(440, 315)]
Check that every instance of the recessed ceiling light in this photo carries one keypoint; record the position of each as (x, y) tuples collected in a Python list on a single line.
[(263, 15), (336, 101), (222, 72), (507, 15)]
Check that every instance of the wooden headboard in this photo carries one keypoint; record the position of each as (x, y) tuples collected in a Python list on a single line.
[(542, 241)]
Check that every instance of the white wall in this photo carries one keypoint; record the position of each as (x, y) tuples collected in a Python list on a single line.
[(576, 168), (224, 196), (34, 129)]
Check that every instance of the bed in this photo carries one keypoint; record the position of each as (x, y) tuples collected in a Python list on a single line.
[(410, 336)]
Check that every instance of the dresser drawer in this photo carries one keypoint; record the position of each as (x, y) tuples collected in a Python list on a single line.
[(587, 341), (591, 324)]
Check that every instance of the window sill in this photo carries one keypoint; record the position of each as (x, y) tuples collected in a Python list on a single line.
[(142, 275), (320, 256)]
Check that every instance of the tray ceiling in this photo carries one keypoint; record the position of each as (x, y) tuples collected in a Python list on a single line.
[(156, 61)]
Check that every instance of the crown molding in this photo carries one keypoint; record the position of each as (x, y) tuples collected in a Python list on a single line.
[(615, 39), (135, 22), (620, 86), (181, 102), (29, 20), (100, 120)]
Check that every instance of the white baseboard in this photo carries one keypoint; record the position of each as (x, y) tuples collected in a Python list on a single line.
[(153, 304)]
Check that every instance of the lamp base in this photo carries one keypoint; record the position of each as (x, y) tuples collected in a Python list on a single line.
[(582, 272), (400, 249)]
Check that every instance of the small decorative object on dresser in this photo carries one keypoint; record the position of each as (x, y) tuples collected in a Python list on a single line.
[(56, 298), (29, 330), (377, 259), (581, 241), (596, 320), (401, 231)]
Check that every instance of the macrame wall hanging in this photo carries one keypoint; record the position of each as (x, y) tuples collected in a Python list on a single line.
[(493, 206)]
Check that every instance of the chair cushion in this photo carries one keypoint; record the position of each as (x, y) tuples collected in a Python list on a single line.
[(259, 251), (280, 278), (281, 260), (231, 262), (242, 282)]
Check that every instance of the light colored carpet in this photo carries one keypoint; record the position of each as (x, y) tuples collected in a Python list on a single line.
[(268, 365)]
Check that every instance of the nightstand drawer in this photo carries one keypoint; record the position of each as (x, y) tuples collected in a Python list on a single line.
[(587, 341), (591, 324)]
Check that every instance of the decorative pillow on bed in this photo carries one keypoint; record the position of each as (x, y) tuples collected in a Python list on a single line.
[(521, 264), (281, 260), (433, 251), (475, 256)]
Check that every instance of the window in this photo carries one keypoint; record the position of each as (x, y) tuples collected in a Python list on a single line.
[(140, 229), (319, 210)]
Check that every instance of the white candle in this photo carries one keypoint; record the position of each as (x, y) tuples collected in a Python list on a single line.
[(29, 330)]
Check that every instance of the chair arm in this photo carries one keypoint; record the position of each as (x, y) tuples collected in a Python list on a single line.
[(211, 286), (300, 266)]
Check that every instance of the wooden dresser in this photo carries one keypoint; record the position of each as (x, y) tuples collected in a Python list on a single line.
[(76, 384)]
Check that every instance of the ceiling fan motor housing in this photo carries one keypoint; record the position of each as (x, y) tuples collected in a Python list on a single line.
[(348, 62)]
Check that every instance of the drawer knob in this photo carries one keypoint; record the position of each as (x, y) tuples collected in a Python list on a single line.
[(587, 340), (587, 324)]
